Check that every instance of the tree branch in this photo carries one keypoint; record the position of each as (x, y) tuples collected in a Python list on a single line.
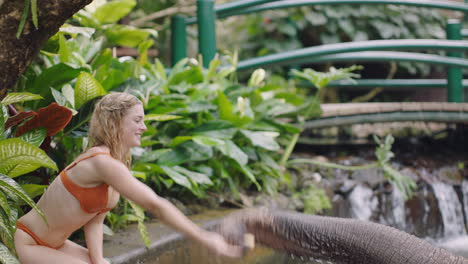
[(163, 13), (17, 54)]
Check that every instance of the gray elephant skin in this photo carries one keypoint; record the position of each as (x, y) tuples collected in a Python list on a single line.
[(338, 240)]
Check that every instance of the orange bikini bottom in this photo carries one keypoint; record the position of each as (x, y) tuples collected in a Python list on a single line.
[(21, 226)]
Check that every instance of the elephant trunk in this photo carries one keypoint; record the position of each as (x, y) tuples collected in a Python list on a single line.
[(338, 240)]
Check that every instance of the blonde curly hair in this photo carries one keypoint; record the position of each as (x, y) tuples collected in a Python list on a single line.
[(106, 124)]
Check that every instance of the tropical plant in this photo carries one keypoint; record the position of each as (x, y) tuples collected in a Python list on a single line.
[(383, 156), (18, 156)]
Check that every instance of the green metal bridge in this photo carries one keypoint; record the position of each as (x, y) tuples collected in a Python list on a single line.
[(413, 50)]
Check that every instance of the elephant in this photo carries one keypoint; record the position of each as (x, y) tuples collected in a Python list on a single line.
[(338, 240)]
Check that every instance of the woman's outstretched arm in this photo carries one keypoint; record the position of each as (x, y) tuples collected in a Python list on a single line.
[(119, 177)]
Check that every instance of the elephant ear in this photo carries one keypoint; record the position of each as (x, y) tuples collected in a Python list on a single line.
[(53, 118), (18, 118)]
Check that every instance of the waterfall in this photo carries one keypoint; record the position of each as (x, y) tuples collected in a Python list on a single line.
[(394, 214), (450, 210), (465, 199), (362, 202)]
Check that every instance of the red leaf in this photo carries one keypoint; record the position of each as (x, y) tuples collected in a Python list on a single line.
[(53, 117), (18, 118)]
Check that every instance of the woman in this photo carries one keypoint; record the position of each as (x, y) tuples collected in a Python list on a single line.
[(91, 186)]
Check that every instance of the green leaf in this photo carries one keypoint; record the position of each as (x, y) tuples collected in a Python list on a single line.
[(140, 214), (34, 190), (207, 141), (18, 157), (179, 140), (59, 97), (174, 157), (195, 176), (197, 152), (34, 13), (113, 11), (64, 51), (152, 155), (177, 177), (35, 137), (163, 117), (54, 76), (23, 19), (12, 98), (4, 204), (192, 75), (9, 185), (143, 51), (127, 36), (231, 150), (73, 30), (83, 116), (86, 89), (218, 129), (2, 121), (139, 174), (7, 257), (263, 139), (247, 172)]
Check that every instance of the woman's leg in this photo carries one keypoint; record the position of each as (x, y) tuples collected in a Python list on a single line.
[(73, 249), (31, 253)]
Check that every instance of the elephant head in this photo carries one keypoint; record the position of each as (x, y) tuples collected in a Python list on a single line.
[(338, 240)]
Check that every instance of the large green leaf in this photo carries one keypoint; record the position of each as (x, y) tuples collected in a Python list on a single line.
[(19, 97), (174, 157), (113, 11), (9, 185), (231, 150), (194, 176), (207, 141), (247, 172), (83, 116), (54, 76), (35, 137), (34, 190), (7, 257), (127, 36), (4, 204), (263, 139), (18, 157), (216, 129), (86, 89), (152, 155), (177, 177)]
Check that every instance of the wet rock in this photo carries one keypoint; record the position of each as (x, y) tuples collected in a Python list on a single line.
[(278, 201), (449, 174), (372, 176)]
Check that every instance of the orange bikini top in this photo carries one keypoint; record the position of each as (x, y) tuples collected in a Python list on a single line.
[(92, 199)]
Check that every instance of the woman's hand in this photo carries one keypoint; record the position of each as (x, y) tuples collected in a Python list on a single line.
[(216, 243)]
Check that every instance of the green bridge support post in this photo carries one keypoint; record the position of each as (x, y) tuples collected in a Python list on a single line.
[(178, 39), (206, 30), (454, 74)]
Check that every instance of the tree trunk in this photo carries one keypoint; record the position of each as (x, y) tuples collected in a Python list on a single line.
[(16, 54)]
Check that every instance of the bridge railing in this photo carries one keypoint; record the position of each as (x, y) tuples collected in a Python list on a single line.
[(376, 50)]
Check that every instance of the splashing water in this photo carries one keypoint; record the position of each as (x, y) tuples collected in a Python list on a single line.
[(363, 202), (450, 210)]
